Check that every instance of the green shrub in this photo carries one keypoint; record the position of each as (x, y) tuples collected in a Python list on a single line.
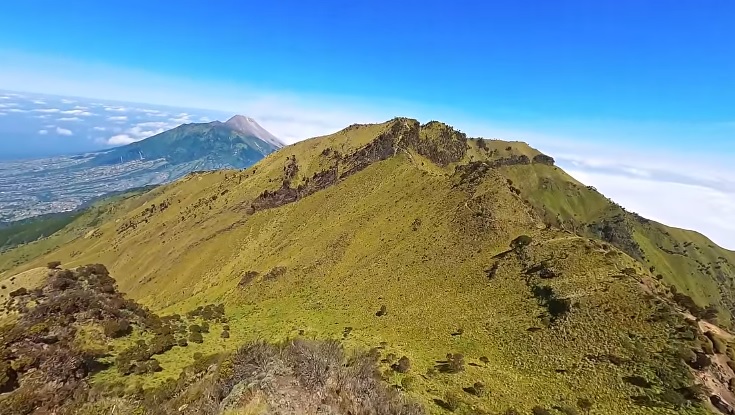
[(520, 242), (53, 264), (116, 328), (403, 365), (162, 344), (196, 337), (453, 364), (8, 377), (477, 389)]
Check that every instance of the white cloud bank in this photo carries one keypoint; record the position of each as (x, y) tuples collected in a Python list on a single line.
[(141, 131)]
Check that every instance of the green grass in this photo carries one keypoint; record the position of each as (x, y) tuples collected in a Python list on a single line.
[(352, 247)]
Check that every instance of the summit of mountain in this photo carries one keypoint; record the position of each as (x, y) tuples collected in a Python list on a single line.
[(250, 127)]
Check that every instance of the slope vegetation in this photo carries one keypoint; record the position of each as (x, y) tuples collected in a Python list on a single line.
[(500, 282)]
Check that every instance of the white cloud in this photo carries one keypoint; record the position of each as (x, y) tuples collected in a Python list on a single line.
[(116, 109), (43, 132), (39, 102), (708, 210), (67, 101), (98, 128), (4, 97), (77, 112), (69, 119), (63, 131), (119, 118), (155, 124), (121, 139), (17, 110), (139, 132), (8, 105), (47, 110), (2, 114), (151, 112)]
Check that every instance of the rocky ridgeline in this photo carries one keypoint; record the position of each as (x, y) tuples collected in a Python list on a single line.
[(438, 142)]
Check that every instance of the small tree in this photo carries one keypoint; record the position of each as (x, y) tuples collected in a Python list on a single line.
[(54, 265)]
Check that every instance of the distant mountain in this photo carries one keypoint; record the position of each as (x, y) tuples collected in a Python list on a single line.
[(213, 145), (36, 187), (249, 127)]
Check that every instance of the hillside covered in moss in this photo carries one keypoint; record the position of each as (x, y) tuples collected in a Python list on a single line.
[(479, 276)]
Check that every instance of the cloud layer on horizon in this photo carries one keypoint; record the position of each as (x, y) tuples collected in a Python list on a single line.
[(78, 125)]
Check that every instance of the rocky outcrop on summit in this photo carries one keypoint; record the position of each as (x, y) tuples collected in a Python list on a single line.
[(543, 159), (436, 141), (440, 143)]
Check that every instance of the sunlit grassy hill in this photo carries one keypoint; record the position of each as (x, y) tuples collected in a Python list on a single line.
[(423, 243)]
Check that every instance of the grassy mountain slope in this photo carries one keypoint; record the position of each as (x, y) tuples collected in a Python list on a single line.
[(82, 226), (400, 236), (689, 261)]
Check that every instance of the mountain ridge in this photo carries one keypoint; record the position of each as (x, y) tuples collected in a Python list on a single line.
[(480, 261)]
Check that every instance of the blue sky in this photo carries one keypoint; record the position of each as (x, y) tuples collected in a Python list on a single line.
[(522, 61), (617, 90)]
